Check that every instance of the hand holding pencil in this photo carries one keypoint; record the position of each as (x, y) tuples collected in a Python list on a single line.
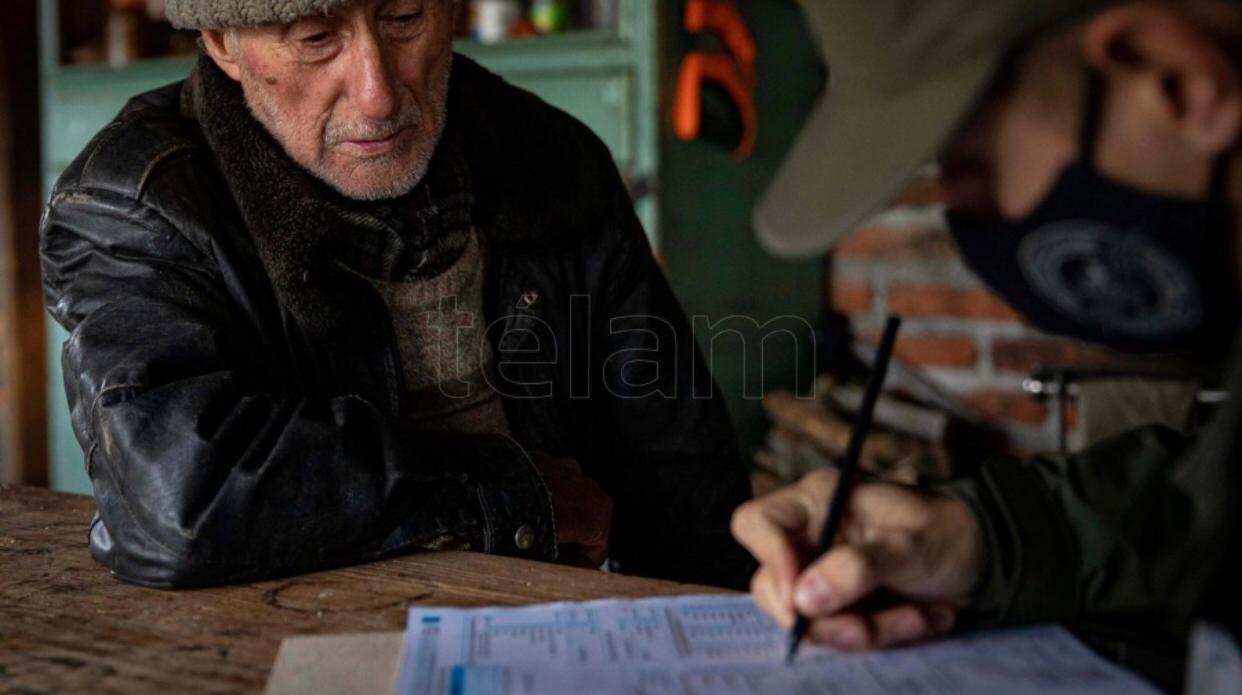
[(919, 548), (884, 564)]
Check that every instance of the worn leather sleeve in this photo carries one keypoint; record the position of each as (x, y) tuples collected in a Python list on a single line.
[(1136, 530), (204, 472), (680, 474)]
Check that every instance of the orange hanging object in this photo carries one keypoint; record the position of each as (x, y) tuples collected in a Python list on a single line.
[(722, 18), (731, 70)]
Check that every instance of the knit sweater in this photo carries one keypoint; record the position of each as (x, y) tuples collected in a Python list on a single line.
[(445, 357)]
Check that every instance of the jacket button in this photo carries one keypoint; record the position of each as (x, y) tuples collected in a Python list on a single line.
[(524, 538), (529, 299)]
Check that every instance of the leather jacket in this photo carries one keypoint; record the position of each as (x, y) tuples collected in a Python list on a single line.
[(236, 392)]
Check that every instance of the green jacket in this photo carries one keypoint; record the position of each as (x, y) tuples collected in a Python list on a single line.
[(1131, 538)]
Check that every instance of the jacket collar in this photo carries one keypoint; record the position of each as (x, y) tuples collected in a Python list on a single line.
[(292, 228)]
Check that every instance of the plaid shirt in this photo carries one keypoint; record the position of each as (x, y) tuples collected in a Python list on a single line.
[(419, 235)]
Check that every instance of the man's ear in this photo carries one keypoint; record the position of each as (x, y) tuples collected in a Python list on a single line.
[(223, 49), (1194, 86)]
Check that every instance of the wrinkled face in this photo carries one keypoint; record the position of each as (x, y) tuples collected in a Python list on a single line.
[(358, 96)]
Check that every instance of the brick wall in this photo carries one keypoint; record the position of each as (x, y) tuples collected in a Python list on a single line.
[(962, 337)]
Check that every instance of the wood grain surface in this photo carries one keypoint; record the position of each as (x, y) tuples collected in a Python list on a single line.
[(67, 626)]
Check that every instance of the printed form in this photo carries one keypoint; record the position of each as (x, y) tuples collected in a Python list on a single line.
[(719, 644)]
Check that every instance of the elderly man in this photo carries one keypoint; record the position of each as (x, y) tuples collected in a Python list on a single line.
[(342, 294), (1090, 155)]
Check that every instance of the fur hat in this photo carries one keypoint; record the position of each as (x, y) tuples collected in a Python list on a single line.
[(227, 14)]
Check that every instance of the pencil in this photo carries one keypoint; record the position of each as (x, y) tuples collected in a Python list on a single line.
[(849, 465)]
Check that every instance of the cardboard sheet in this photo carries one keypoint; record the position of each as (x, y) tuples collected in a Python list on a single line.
[(359, 664)]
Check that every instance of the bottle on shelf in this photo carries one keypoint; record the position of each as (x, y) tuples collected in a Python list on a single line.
[(549, 16), (598, 14), (493, 21)]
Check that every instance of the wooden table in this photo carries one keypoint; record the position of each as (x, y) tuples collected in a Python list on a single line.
[(67, 625)]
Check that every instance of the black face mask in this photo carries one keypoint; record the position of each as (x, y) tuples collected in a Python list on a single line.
[(1107, 263)]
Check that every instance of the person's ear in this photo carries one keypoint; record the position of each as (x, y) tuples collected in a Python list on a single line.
[(1193, 85), (223, 49)]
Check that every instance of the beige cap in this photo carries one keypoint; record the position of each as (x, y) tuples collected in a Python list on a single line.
[(228, 14)]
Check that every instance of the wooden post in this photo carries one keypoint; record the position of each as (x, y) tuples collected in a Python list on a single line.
[(23, 388)]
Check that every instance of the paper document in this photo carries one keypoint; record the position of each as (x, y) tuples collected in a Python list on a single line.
[(719, 644)]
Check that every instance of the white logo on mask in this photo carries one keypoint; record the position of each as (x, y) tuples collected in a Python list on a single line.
[(1118, 279)]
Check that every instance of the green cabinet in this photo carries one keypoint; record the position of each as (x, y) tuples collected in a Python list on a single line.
[(608, 79)]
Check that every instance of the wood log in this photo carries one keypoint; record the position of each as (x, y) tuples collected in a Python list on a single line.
[(887, 454)]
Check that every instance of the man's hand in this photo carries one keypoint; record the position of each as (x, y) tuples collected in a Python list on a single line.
[(582, 510), (922, 547)]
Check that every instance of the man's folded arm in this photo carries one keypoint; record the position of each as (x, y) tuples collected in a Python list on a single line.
[(204, 471)]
